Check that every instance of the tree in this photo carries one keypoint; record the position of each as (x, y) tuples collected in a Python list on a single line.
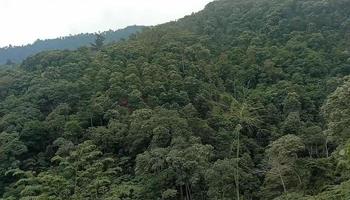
[(83, 174), (337, 114), (292, 124), (314, 141), (99, 41), (242, 114), (282, 157), (182, 166), (222, 181), (291, 103), (10, 148), (72, 130)]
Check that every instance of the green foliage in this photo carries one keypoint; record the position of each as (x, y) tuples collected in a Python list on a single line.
[(282, 157), (83, 174), (97, 45), (337, 113), (238, 101), (10, 148)]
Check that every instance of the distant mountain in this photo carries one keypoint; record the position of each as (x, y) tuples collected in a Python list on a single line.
[(18, 53)]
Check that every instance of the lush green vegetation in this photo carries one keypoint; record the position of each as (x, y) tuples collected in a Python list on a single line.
[(16, 54), (243, 100)]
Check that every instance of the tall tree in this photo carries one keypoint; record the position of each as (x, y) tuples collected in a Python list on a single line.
[(282, 157), (99, 41)]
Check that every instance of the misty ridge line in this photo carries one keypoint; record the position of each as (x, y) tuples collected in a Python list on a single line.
[(72, 35), (15, 54)]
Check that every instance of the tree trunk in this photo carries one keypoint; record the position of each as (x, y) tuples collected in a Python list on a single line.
[(187, 192), (281, 178), (237, 166), (309, 151), (299, 178), (91, 124), (312, 151), (326, 147)]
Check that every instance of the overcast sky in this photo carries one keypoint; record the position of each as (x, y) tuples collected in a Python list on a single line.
[(24, 21)]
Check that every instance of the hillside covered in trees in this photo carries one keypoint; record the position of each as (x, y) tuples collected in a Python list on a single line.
[(245, 100), (16, 54)]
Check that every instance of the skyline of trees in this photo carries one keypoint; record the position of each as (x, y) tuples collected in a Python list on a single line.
[(16, 54)]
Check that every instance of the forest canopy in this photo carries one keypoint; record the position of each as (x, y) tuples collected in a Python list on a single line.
[(247, 99)]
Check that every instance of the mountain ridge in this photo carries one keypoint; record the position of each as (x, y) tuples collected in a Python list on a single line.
[(17, 54)]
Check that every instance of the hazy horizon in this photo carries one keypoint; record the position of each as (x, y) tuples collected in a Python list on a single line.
[(26, 23)]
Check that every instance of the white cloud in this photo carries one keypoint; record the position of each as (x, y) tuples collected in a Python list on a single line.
[(23, 21)]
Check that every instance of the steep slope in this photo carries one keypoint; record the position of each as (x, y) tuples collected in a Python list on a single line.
[(17, 54), (228, 103)]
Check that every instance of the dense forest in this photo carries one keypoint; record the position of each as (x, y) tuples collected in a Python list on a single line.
[(245, 100), (16, 54)]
